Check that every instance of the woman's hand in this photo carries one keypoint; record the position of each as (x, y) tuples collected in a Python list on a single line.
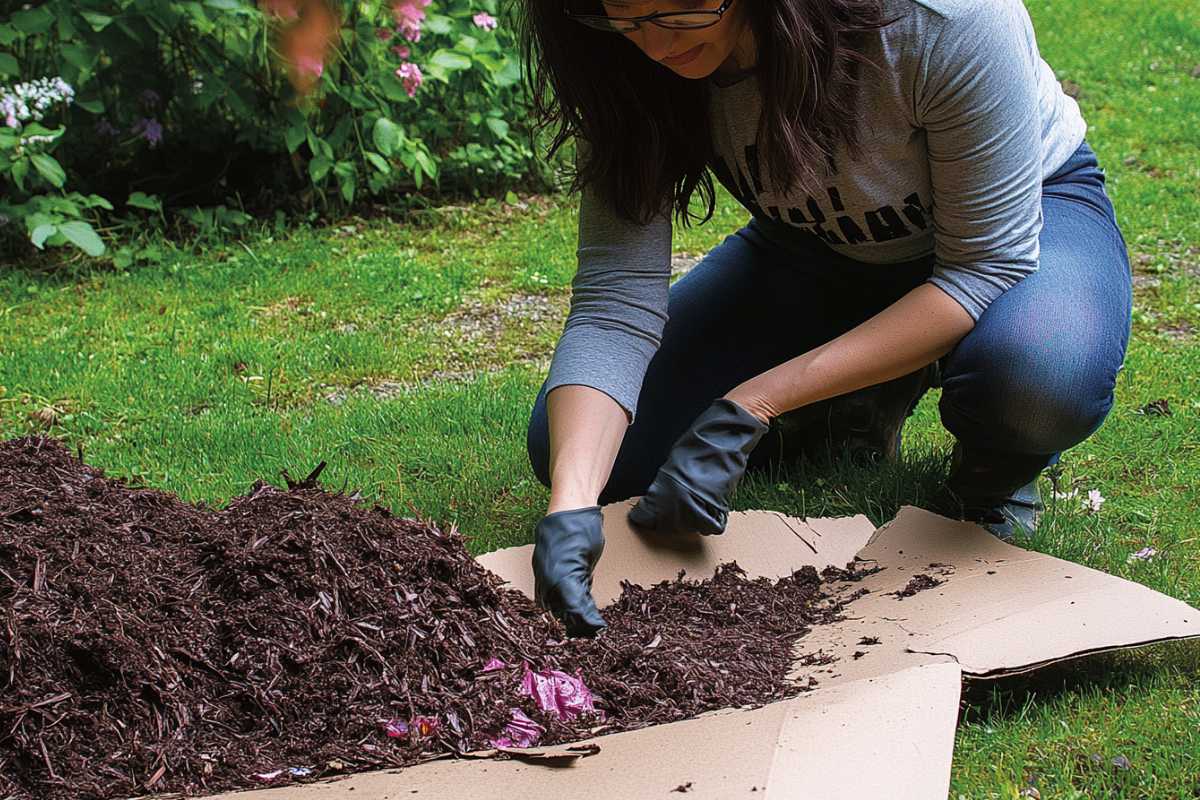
[(567, 545), (692, 489)]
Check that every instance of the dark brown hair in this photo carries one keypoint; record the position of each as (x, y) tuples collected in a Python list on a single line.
[(647, 129)]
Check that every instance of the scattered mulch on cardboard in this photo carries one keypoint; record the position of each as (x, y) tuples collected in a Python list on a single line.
[(148, 645), (919, 583)]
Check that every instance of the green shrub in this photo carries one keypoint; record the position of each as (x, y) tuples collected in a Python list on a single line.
[(186, 103)]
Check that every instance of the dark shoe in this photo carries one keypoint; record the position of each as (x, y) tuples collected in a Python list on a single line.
[(996, 489), (864, 425)]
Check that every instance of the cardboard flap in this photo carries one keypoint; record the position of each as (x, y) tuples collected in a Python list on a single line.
[(825, 750), (764, 543), (999, 610)]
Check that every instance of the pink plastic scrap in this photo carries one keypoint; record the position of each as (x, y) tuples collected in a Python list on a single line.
[(521, 731), (557, 692), (494, 664)]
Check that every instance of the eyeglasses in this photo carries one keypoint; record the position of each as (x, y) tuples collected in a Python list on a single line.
[(676, 20)]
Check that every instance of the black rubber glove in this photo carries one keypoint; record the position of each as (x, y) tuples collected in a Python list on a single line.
[(566, 547), (692, 489)]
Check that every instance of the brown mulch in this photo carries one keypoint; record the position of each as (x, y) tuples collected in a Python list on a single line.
[(149, 645)]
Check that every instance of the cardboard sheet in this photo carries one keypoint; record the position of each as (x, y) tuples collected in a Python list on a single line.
[(881, 722)]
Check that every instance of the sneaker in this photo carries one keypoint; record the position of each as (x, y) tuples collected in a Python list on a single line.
[(1019, 513), (978, 489)]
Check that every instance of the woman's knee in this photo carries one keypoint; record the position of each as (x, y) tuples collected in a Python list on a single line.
[(1021, 400)]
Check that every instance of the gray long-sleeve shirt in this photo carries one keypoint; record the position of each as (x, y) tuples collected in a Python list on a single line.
[(962, 123)]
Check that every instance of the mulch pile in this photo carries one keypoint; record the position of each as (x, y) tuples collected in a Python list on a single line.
[(149, 645)]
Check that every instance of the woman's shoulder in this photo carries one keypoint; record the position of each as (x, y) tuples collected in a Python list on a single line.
[(924, 11), (916, 20)]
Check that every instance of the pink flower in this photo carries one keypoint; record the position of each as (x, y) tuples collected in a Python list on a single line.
[(409, 30), (401, 50), (383, 34), (409, 14), (411, 75), (484, 20)]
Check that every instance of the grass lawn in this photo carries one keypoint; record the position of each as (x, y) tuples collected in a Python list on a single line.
[(407, 355)]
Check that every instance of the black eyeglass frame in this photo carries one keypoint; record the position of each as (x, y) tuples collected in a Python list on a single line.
[(601, 22)]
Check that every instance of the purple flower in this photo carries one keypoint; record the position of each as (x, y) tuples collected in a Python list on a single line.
[(105, 128), (150, 98), (484, 20), (149, 129)]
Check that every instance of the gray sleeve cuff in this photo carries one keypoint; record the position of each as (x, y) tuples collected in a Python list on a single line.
[(607, 359), (976, 289)]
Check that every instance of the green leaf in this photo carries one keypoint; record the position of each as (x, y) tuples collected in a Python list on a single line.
[(41, 233), (387, 135), (497, 126), (96, 201), (227, 5), (509, 74), (294, 136), (448, 59), (98, 21), (8, 35), (81, 57), (20, 169), (82, 235), (49, 169), (33, 20), (427, 163), (142, 200), (9, 65), (94, 106), (348, 185), (318, 168), (438, 23), (378, 161)]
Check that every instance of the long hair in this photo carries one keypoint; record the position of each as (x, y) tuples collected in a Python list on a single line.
[(646, 128)]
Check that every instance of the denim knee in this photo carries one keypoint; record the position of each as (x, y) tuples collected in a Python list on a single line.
[(1025, 403), (537, 439)]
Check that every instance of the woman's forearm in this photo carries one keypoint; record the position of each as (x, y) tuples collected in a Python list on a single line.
[(916, 330), (586, 429)]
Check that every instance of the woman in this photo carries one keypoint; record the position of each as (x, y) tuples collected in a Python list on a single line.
[(921, 196)]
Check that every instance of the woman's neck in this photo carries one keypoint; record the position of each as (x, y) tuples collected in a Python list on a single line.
[(741, 59)]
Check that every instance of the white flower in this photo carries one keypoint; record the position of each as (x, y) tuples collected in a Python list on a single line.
[(1145, 554), (1066, 495), (1093, 501)]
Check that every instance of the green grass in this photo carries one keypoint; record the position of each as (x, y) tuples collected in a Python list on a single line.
[(370, 344)]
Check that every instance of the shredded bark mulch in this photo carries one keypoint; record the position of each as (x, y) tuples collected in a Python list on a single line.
[(148, 645)]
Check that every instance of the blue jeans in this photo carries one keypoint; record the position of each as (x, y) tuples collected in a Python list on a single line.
[(1034, 376)]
